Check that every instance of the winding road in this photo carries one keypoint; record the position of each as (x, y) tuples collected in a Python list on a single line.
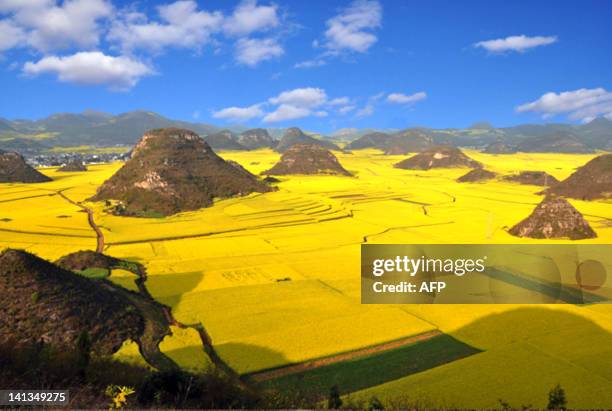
[(90, 220)]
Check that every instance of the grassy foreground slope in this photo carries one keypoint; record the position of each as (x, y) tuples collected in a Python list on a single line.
[(275, 276)]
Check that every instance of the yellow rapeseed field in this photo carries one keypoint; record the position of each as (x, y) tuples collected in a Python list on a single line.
[(275, 277)]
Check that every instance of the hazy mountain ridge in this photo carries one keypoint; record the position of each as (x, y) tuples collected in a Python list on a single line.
[(104, 129)]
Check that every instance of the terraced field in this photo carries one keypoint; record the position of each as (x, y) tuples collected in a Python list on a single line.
[(274, 277)]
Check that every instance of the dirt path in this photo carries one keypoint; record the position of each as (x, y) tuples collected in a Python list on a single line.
[(309, 365), (90, 220)]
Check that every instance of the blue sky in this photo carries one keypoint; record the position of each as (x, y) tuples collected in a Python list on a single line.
[(320, 65)]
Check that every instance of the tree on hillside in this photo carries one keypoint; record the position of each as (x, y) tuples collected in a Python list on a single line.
[(334, 401), (84, 354), (556, 399)]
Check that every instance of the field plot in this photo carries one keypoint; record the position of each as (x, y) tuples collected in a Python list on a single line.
[(274, 277), (361, 372)]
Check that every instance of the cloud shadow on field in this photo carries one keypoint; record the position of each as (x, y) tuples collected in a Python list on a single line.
[(165, 287), (517, 341)]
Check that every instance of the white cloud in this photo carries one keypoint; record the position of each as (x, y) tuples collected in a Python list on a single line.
[(248, 17), (239, 113), (366, 111), (582, 104), (308, 97), (310, 63), (91, 67), (346, 109), (10, 6), (289, 105), (297, 103), (351, 30), (11, 35), (399, 98), (339, 101), (48, 26), (515, 43), (181, 25), (286, 112), (251, 52)]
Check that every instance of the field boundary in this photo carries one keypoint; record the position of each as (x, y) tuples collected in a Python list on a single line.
[(260, 376)]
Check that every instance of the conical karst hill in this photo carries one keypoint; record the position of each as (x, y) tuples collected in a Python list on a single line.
[(438, 157), (554, 217), (45, 303), (173, 170), (591, 181), (307, 159), (14, 169)]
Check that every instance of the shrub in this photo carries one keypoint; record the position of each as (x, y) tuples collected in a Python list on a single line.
[(556, 399), (334, 401)]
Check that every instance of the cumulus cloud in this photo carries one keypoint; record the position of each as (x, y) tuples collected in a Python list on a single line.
[(582, 104), (90, 28), (181, 25), (239, 113), (251, 52), (286, 112), (515, 43), (308, 97), (248, 17), (297, 103), (47, 26), (351, 30), (399, 98), (11, 35), (91, 67), (287, 105)]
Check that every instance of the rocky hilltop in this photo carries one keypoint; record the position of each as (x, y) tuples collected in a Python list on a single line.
[(307, 159), (74, 165), (256, 138), (534, 178), (478, 174), (294, 136), (438, 157), (554, 217), (173, 170), (14, 169), (45, 303), (589, 182)]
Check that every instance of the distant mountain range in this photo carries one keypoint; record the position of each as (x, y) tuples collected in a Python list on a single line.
[(104, 130), (554, 138)]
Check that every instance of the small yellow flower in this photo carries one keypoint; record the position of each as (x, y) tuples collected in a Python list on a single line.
[(118, 395)]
